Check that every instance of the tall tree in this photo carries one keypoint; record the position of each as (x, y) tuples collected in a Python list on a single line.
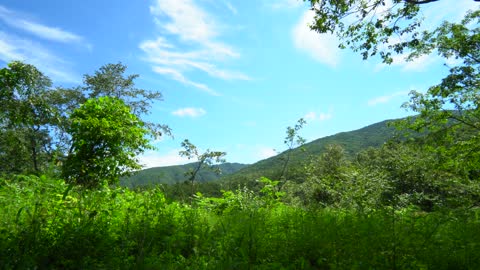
[(450, 111), (448, 117), (26, 119), (203, 160), (106, 139), (111, 80), (292, 140)]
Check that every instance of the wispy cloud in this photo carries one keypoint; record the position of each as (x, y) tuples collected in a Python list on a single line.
[(251, 153), (152, 159), (387, 98), (231, 7), (419, 64), (56, 34), (322, 47), (284, 4), (190, 112), (263, 152), (193, 43), (178, 76), (442, 10), (23, 39), (315, 116), (15, 48), (433, 15)]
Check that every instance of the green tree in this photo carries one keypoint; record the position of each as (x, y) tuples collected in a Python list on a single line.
[(26, 119), (110, 80), (208, 159), (106, 139), (449, 112), (371, 27), (65, 101), (292, 140), (448, 122)]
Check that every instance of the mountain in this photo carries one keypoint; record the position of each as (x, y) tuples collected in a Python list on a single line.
[(175, 174), (353, 142), (235, 173)]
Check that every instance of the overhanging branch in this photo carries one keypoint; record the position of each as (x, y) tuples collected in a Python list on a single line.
[(418, 2)]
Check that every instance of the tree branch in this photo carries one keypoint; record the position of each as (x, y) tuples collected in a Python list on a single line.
[(419, 2)]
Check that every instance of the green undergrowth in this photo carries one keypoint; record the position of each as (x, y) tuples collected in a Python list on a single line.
[(47, 224)]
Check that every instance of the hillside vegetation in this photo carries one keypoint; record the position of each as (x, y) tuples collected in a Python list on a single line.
[(352, 142), (48, 225), (355, 200), (176, 174)]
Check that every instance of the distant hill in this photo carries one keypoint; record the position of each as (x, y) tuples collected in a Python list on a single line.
[(234, 173), (176, 174), (353, 142)]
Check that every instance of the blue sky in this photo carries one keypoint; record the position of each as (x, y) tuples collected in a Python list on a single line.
[(233, 74)]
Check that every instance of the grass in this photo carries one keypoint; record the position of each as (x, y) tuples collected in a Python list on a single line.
[(45, 224)]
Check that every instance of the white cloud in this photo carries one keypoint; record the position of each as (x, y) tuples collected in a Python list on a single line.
[(23, 48), (284, 4), (192, 45), (313, 116), (251, 153), (263, 152), (310, 116), (177, 76), (442, 10), (419, 64), (433, 15), (42, 31), (14, 48), (191, 112), (386, 98), (322, 47), (187, 20), (231, 7), (155, 159)]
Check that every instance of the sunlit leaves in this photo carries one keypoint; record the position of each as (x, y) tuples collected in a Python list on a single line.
[(207, 159), (106, 138)]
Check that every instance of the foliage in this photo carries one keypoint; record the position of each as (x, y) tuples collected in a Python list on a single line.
[(35, 117), (292, 140), (26, 119), (449, 112), (352, 142), (203, 160), (110, 81), (176, 174), (46, 224), (440, 166), (106, 138), (371, 27)]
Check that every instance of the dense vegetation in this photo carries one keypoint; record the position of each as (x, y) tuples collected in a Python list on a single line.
[(176, 174), (47, 225), (410, 203), (353, 142)]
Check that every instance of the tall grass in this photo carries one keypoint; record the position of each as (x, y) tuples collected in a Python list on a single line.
[(46, 224)]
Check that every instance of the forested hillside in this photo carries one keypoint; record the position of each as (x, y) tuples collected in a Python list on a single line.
[(176, 174), (352, 142)]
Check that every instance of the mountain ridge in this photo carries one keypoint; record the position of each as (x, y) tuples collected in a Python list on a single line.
[(354, 141)]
